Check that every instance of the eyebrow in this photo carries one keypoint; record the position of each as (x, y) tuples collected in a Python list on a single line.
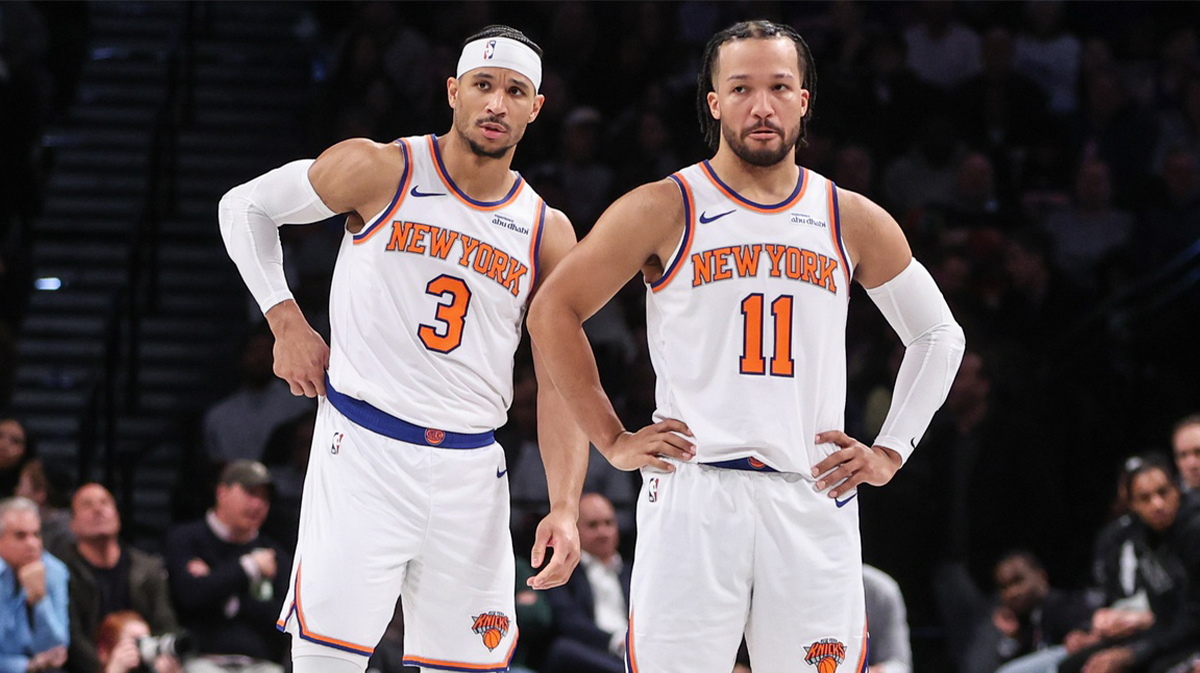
[(778, 75), (516, 79)]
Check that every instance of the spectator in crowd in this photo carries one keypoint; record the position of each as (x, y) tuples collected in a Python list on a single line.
[(1170, 568), (1185, 445), (583, 176), (1170, 223), (887, 619), (34, 483), (238, 427), (228, 581), (33, 594), (14, 453), (927, 173), (942, 51), (592, 608), (118, 647), (109, 577), (1050, 56), (1085, 234)]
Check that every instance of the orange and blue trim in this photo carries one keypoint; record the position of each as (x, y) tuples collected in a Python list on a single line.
[(405, 178), (630, 656), (460, 194), (836, 232), (689, 228), (864, 658), (442, 665), (728, 191), (302, 628), (535, 243)]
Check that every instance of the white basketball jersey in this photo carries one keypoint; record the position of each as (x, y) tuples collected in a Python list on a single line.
[(427, 299), (747, 325)]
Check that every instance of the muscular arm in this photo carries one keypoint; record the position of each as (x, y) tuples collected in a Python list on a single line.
[(562, 444), (641, 227), (355, 176)]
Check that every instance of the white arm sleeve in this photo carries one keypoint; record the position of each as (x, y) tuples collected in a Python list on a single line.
[(250, 216), (933, 349)]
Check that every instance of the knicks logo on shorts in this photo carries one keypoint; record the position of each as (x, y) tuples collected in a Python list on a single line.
[(434, 437), (756, 463), (825, 654), (337, 442), (493, 626)]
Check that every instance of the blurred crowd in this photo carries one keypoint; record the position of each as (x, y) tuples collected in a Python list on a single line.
[(1042, 158)]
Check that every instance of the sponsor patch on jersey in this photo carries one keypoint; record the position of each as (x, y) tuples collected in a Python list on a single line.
[(337, 443), (509, 223), (825, 654), (434, 437), (492, 626), (801, 218)]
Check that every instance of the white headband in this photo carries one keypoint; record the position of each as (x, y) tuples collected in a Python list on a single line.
[(501, 52)]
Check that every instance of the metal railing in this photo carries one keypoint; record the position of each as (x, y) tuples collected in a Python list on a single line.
[(139, 295)]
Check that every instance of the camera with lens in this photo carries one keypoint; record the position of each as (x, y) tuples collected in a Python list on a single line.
[(175, 645)]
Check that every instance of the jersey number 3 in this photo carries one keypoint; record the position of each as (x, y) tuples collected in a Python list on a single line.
[(752, 361), (453, 315)]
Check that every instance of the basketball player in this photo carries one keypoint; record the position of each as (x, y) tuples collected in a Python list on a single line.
[(747, 519), (406, 492)]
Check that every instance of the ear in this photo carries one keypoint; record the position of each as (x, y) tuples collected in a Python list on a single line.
[(804, 96), (538, 101), (451, 91), (714, 105)]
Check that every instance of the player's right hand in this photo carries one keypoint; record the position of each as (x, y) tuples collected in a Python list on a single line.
[(648, 446), (301, 355)]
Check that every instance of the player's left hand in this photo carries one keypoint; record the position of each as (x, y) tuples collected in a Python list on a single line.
[(853, 464), (558, 530)]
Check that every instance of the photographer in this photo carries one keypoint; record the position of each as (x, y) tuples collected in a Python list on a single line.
[(121, 644)]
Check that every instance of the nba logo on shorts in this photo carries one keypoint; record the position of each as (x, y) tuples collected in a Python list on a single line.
[(652, 490), (337, 443), (489, 50)]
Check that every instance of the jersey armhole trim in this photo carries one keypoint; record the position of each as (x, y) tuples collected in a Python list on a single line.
[(685, 241), (535, 243), (397, 199), (835, 230)]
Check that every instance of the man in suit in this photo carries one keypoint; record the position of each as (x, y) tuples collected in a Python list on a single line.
[(592, 609)]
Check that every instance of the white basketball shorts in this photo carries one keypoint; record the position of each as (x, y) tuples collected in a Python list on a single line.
[(382, 518), (722, 552)]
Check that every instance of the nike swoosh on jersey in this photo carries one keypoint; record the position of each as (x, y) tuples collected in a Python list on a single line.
[(501, 473), (705, 219), (842, 503), (418, 194)]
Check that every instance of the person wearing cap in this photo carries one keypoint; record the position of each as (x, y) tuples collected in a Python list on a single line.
[(108, 576), (228, 580), (407, 492)]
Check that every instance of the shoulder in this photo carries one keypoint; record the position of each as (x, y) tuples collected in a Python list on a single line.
[(142, 561), (356, 170), (651, 206)]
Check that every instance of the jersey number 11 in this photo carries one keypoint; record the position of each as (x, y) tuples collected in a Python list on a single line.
[(752, 361)]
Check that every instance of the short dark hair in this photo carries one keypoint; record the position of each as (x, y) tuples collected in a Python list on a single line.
[(500, 30), (751, 30), (1136, 466), (1029, 558)]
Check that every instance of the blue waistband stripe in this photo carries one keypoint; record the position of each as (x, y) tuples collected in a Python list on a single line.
[(743, 464), (387, 425)]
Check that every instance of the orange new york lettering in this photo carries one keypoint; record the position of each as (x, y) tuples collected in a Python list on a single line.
[(720, 266), (702, 271), (482, 258), (776, 252), (512, 280), (399, 235), (469, 245), (414, 244), (810, 267), (746, 259), (828, 266), (499, 264), (441, 241)]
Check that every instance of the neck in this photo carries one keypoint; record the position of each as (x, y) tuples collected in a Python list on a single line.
[(482, 178), (765, 184), (102, 552)]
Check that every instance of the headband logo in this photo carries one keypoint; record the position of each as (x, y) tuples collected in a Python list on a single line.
[(489, 50)]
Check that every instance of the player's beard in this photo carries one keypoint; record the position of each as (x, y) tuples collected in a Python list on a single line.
[(462, 127), (766, 156)]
